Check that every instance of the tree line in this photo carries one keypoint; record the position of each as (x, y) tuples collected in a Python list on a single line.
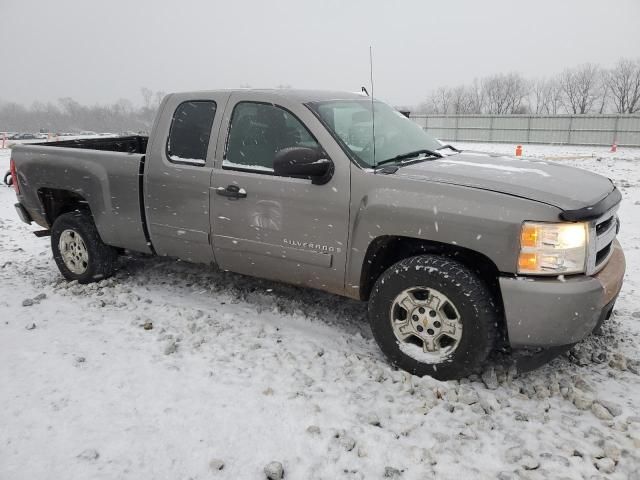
[(587, 88), (68, 115), (583, 89)]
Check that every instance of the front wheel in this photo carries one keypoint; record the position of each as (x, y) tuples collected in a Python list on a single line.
[(78, 249), (433, 316)]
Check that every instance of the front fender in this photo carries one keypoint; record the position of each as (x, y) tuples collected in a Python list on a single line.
[(483, 221)]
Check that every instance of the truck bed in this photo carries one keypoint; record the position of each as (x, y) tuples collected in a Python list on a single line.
[(101, 173)]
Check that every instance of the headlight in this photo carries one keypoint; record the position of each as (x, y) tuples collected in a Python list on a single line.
[(552, 248)]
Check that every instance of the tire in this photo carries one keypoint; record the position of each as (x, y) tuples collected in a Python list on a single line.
[(461, 330), (78, 249)]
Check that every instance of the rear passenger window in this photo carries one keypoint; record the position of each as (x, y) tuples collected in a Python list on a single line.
[(258, 132), (190, 132)]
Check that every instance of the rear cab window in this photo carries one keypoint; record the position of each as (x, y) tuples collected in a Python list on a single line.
[(190, 131)]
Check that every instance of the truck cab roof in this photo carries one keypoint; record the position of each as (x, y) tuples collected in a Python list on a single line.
[(300, 95)]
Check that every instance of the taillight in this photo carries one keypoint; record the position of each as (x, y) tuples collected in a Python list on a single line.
[(14, 176)]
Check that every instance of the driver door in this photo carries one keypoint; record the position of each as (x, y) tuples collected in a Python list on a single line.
[(270, 226)]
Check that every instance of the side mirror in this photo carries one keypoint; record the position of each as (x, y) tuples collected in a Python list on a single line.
[(303, 162)]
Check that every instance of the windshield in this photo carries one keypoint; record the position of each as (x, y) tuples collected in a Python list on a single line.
[(351, 122)]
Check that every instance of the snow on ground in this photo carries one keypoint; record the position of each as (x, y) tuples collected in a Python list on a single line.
[(554, 152), (245, 372)]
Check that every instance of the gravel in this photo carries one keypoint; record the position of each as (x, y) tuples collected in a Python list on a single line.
[(619, 362), (600, 411), (392, 472), (582, 400), (347, 442), (605, 465), (170, 348), (216, 465), (613, 408), (89, 455), (490, 379), (274, 471), (468, 395), (529, 463)]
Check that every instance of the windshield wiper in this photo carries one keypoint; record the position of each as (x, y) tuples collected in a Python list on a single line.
[(450, 147), (409, 155)]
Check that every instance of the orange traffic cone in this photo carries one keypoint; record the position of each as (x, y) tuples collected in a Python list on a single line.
[(519, 151)]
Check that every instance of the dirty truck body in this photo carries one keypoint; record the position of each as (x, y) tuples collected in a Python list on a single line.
[(285, 185)]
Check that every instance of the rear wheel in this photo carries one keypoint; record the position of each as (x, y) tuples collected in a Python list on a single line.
[(78, 249), (433, 316)]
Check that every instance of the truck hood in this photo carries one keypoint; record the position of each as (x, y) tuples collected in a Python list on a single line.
[(567, 188)]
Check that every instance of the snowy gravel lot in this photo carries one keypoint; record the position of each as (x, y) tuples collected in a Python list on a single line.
[(172, 371)]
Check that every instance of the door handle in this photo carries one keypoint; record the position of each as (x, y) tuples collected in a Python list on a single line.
[(232, 191)]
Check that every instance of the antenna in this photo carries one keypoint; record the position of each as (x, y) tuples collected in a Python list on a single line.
[(373, 114)]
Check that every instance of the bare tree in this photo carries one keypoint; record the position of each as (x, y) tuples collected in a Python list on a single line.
[(440, 100), (147, 95), (477, 97), (555, 96), (604, 94), (505, 93), (461, 100), (581, 88), (623, 81), (123, 107), (545, 96), (538, 102)]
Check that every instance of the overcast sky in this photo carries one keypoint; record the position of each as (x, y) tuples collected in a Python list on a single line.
[(98, 52)]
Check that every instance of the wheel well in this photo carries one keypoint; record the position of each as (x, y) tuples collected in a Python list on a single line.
[(56, 202), (386, 250)]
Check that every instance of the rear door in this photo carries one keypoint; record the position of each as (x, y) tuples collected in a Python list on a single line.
[(178, 175), (277, 227)]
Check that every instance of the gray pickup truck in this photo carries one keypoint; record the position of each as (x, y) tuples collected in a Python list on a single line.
[(456, 252)]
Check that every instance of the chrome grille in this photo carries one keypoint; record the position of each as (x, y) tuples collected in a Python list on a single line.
[(602, 233)]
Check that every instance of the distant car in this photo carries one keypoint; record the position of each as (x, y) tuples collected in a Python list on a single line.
[(88, 132), (23, 136), (42, 136)]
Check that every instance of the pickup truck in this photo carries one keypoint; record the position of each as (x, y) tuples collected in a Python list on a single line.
[(456, 252)]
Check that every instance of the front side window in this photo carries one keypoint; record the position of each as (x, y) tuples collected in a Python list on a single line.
[(190, 131), (351, 122), (258, 132)]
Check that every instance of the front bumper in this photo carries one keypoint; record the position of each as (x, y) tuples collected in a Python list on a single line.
[(545, 312)]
